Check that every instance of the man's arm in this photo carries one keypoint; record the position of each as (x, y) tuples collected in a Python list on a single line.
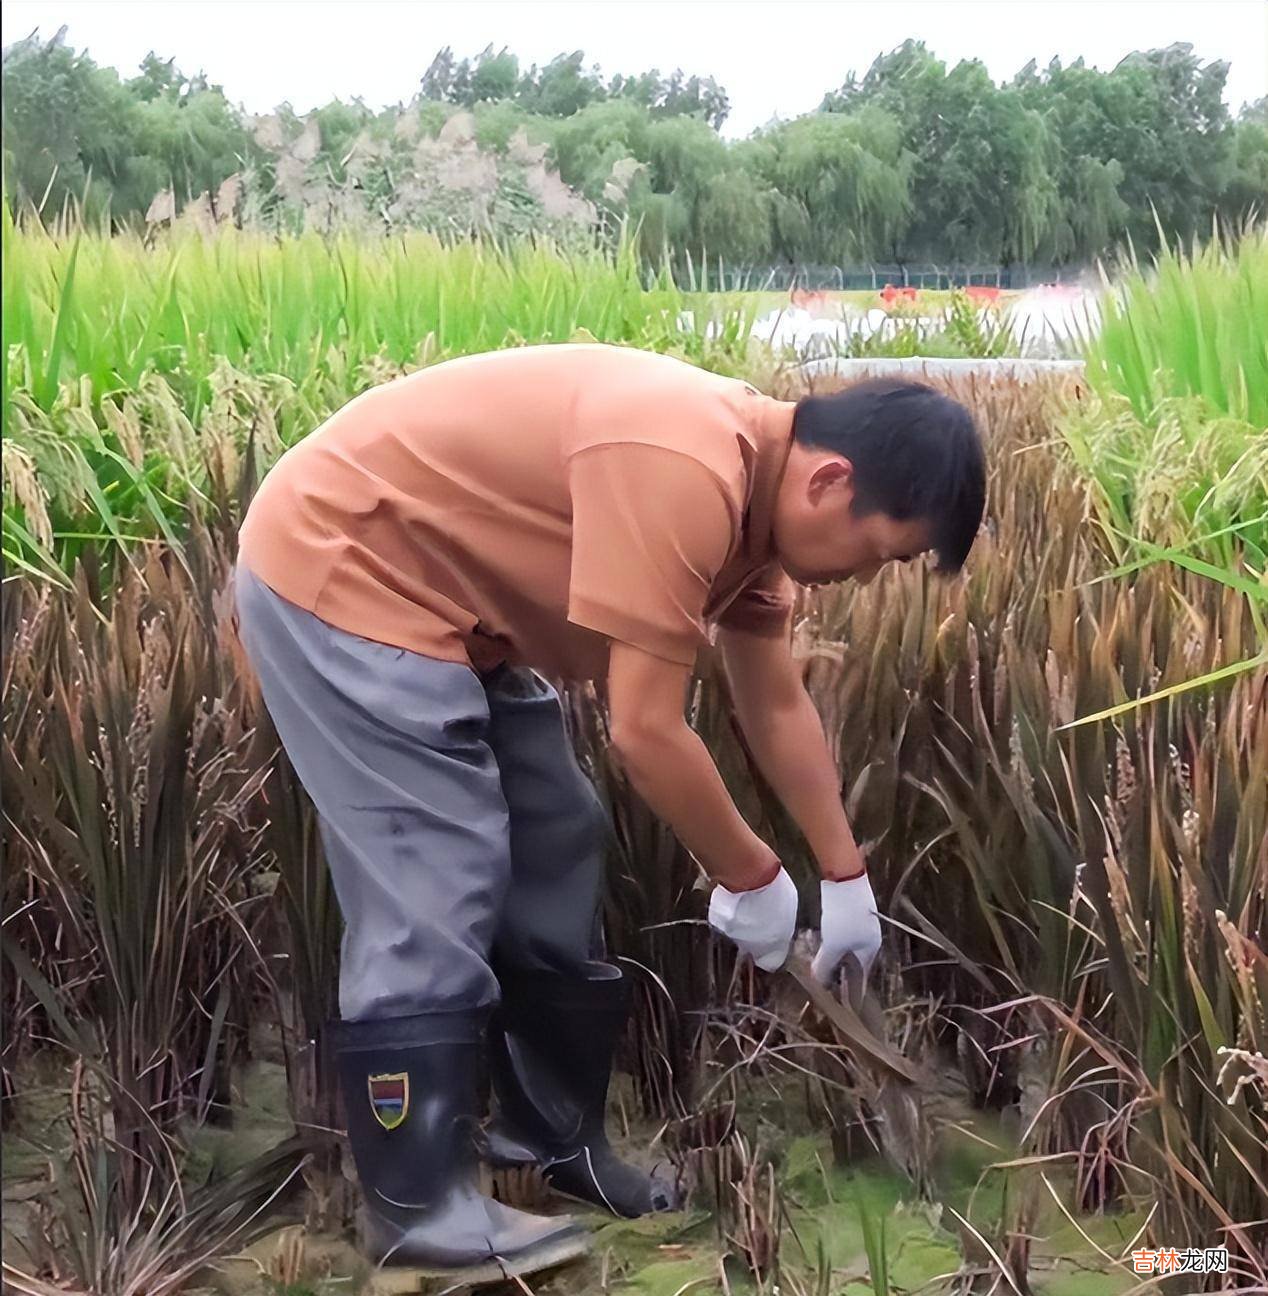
[(673, 772), (785, 735), (786, 738), (651, 527)]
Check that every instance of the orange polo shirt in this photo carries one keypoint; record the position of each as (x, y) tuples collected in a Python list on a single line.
[(531, 505)]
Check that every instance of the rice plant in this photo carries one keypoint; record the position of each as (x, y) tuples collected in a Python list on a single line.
[(1189, 325), (1074, 913), (1175, 442), (1098, 890), (130, 786), (131, 368)]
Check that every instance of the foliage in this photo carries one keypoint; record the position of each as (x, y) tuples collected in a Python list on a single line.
[(75, 132), (1078, 909), (1046, 166), (136, 374), (132, 777), (1192, 325), (914, 161), (1174, 443), (563, 88)]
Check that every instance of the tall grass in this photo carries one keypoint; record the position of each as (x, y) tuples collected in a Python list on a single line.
[(1175, 442), (1191, 325), (132, 776), (1081, 907), (131, 366), (307, 308), (1088, 903)]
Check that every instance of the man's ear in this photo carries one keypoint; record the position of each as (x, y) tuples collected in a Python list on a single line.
[(834, 472)]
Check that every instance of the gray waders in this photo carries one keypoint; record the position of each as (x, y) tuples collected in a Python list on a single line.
[(466, 846)]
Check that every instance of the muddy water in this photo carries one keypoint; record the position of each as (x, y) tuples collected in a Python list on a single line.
[(659, 1255)]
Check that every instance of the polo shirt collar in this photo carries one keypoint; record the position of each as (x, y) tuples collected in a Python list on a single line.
[(773, 426)]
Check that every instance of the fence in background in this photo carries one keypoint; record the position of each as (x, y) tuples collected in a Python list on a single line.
[(854, 278)]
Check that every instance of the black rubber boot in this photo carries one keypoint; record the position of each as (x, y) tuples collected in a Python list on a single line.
[(409, 1087), (551, 1043)]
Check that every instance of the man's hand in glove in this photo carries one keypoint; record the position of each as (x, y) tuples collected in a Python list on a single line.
[(760, 921), (849, 926)]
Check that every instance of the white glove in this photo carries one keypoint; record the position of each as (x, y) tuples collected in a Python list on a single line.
[(849, 925), (760, 921)]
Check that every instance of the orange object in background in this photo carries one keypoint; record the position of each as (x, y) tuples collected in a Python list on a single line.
[(890, 294), (982, 293), (815, 303)]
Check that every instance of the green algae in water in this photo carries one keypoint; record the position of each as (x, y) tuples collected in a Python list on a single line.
[(658, 1255)]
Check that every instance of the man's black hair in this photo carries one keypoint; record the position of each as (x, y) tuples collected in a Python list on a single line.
[(916, 454)]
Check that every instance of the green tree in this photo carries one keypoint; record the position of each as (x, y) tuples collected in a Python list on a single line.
[(996, 182), (734, 212), (564, 87), (64, 120), (190, 139), (495, 76), (678, 96), (1153, 130), (910, 161), (586, 146), (684, 160), (981, 165), (561, 88), (491, 78), (446, 80), (845, 181), (1247, 189), (159, 78), (74, 131)]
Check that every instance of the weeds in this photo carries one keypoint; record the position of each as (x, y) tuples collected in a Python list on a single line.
[(1074, 913)]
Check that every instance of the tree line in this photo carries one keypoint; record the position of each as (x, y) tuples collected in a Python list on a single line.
[(913, 161)]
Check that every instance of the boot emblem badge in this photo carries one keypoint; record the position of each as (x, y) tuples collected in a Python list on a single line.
[(389, 1098)]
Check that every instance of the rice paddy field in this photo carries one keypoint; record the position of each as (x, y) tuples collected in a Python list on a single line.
[(1057, 765)]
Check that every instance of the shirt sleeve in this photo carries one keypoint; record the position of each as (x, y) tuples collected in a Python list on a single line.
[(651, 528), (764, 606)]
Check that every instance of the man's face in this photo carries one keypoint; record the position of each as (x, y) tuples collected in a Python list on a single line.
[(819, 541)]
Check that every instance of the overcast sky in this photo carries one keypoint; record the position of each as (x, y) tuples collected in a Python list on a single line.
[(772, 56)]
